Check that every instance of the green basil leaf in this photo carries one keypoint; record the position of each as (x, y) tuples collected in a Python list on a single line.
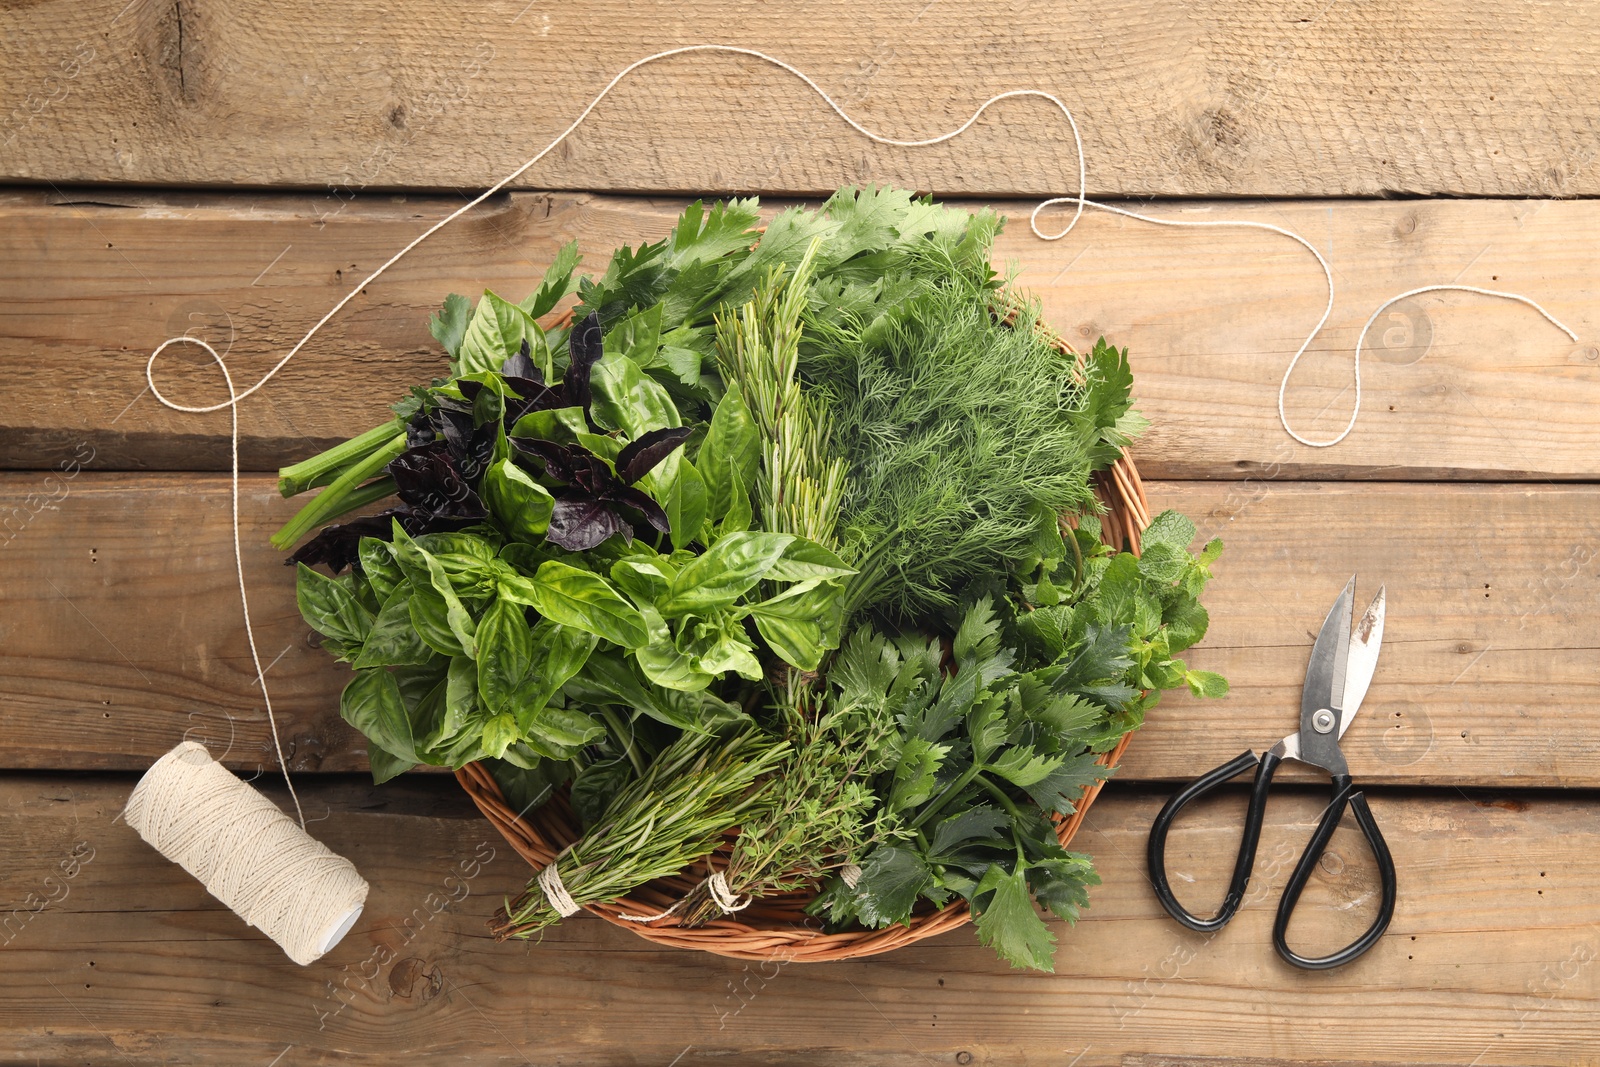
[(730, 456), (625, 398), (371, 703), (593, 789), (637, 336), (802, 623), (499, 733), (687, 505), (329, 607), (521, 504), (739, 515), (419, 563), (607, 678), (563, 728), (663, 663), (430, 618), (805, 560), (641, 579), (731, 652), (493, 335), (578, 598), (377, 563), (732, 565), (460, 693), (521, 559), (552, 424), (603, 446), (393, 640), (505, 651), (461, 549), (385, 766), (559, 652)]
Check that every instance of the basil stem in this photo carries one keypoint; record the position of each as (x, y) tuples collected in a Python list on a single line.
[(336, 499), (326, 467)]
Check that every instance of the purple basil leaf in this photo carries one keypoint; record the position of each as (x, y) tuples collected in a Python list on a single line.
[(643, 504), (521, 366), (559, 460), (469, 389), (591, 474), (338, 546), (585, 347), (428, 479), (532, 395), (419, 431), (581, 524), (639, 457)]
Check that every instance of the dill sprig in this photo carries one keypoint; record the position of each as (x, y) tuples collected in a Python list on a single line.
[(968, 432)]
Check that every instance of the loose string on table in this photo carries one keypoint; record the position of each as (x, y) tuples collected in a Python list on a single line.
[(1079, 201)]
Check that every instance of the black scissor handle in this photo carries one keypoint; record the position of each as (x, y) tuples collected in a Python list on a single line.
[(1156, 850), (1342, 795)]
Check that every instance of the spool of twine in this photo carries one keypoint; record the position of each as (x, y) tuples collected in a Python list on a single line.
[(247, 852)]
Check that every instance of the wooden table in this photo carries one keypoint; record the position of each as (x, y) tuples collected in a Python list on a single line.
[(230, 169)]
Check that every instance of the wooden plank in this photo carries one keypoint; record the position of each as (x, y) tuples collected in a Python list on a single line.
[(1237, 99), (1490, 958), (1454, 385), (123, 631)]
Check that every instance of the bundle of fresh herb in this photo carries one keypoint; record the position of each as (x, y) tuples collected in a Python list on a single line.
[(986, 756), (624, 554)]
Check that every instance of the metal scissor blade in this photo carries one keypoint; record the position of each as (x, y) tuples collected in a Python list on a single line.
[(1325, 684), (1365, 641)]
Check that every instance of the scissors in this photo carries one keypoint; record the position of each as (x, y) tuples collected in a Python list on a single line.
[(1341, 668)]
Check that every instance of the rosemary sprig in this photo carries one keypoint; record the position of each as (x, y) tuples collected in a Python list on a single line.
[(698, 788), (758, 347)]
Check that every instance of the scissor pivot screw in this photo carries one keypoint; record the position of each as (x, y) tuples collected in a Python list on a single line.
[(1323, 721)]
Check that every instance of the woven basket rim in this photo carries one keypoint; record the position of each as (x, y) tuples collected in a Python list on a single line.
[(780, 930)]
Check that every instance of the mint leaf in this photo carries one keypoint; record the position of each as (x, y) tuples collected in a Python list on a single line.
[(1206, 684), (1170, 528), (1186, 623)]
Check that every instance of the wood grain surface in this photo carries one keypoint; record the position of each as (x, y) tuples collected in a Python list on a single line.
[(123, 632), (112, 954), (1308, 98), (1454, 385)]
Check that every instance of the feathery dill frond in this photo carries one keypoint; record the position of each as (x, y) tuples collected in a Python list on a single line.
[(965, 433)]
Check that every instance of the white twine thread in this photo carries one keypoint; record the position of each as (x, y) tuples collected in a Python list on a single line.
[(556, 893), (723, 894), (247, 852), (1080, 202), (238, 555), (652, 918), (850, 875)]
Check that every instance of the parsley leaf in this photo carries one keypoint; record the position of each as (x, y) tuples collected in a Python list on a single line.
[(1008, 922)]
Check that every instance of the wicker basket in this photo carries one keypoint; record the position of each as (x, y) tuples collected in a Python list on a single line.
[(777, 927)]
